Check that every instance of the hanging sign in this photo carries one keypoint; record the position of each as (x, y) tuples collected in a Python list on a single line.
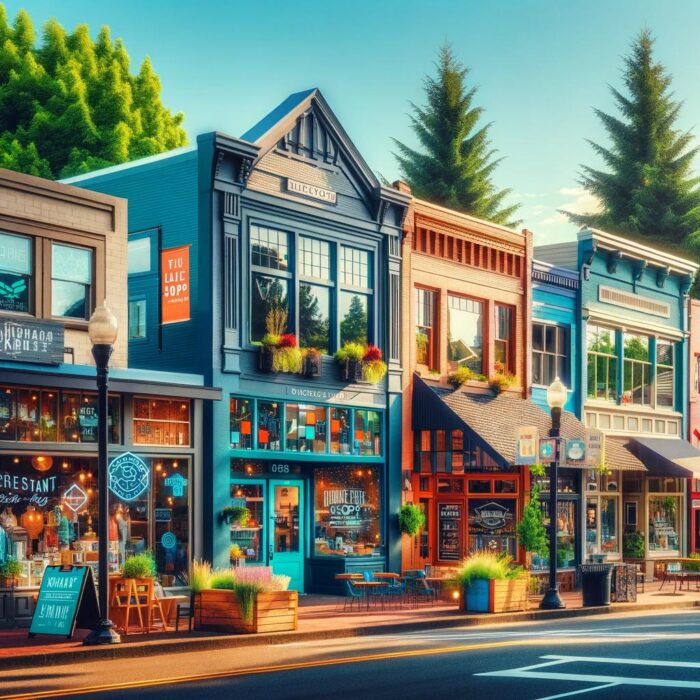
[(31, 341), (548, 450), (128, 476), (175, 284), (575, 453), (594, 446), (526, 445), (67, 599), (177, 483)]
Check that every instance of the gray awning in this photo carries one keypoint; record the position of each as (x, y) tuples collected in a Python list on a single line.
[(667, 456)]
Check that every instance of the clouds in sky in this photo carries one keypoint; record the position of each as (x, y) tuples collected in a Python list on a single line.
[(578, 201)]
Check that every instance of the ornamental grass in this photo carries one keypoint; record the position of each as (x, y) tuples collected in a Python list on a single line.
[(486, 565)]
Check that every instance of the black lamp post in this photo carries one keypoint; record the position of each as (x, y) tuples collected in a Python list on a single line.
[(556, 398), (102, 330)]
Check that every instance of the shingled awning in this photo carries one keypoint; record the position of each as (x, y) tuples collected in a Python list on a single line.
[(671, 457)]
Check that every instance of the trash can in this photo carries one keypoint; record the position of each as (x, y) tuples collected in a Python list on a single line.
[(595, 584)]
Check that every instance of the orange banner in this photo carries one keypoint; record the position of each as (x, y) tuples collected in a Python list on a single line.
[(175, 284)]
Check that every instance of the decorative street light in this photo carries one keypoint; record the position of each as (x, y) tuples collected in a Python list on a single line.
[(556, 398), (102, 330)]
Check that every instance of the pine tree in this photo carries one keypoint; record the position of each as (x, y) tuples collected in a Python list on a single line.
[(72, 104), (532, 534), (456, 165), (648, 189), (353, 327)]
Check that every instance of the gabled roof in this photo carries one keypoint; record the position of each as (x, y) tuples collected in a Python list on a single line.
[(277, 123)]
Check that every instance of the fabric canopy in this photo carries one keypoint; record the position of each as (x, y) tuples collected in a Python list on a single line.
[(671, 457)]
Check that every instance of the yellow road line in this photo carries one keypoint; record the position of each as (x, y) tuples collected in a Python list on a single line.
[(257, 670)]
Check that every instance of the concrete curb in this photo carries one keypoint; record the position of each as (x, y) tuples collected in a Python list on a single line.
[(172, 646)]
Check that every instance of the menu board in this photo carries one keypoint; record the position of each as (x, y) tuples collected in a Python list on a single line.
[(449, 531)]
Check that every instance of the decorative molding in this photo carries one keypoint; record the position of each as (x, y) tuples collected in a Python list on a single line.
[(219, 161), (613, 259), (662, 275), (244, 169), (554, 279), (638, 271), (635, 302)]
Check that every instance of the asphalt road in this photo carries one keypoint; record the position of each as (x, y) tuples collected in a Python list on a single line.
[(612, 656)]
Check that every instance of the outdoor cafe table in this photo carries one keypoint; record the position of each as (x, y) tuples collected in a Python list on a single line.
[(678, 576), (348, 577), (386, 575), (168, 605), (370, 586)]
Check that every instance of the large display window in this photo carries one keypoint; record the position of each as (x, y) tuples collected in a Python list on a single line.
[(492, 525), (347, 511)]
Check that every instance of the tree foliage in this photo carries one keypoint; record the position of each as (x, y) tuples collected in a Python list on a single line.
[(532, 534), (647, 189), (72, 105), (456, 166)]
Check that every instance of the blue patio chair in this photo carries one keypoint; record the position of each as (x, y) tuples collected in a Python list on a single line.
[(367, 576), (423, 590), (352, 594)]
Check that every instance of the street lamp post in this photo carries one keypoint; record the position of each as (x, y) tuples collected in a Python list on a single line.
[(102, 330), (556, 398)]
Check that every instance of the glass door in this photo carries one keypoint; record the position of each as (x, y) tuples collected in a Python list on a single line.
[(286, 534)]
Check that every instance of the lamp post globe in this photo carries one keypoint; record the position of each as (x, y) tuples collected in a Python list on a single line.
[(102, 330), (556, 398)]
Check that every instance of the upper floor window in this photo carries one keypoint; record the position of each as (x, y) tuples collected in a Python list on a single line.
[(636, 370), (71, 281), (550, 353), (465, 333), (355, 294), (137, 319), (314, 294), (426, 339), (269, 248), (602, 363), (665, 351), (503, 339), (139, 253), (15, 273)]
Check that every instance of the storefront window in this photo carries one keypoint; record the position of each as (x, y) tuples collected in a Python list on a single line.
[(161, 422), (241, 424), (566, 535), (305, 428), (269, 423), (637, 370), (492, 525), (368, 433), (465, 333), (347, 512), (15, 273), (248, 539), (340, 431), (664, 519), (665, 351), (601, 525), (602, 363)]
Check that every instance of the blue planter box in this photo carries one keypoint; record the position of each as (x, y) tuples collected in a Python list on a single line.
[(476, 596)]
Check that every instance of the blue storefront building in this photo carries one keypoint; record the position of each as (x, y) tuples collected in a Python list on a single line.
[(285, 232)]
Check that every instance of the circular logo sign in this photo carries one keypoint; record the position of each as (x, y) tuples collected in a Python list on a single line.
[(168, 540), (128, 476)]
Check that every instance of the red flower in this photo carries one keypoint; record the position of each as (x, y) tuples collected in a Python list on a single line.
[(288, 340), (372, 353)]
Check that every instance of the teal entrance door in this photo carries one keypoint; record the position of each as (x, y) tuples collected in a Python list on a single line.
[(286, 531)]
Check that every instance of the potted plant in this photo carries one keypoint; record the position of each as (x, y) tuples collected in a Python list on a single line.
[(10, 572), (236, 515), (633, 545), (278, 349), (373, 367), (349, 357), (491, 583), (460, 376), (236, 555), (311, 362), (139, 566), (245, 599), (501, 381), (411, 521)]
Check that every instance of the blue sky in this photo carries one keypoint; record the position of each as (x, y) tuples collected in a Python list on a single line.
[(540, 65)]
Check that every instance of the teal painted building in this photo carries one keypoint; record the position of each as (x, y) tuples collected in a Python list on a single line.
[(289, 217)]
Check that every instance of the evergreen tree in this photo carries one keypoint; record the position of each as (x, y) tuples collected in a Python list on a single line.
[(532, 534), (353, 327), (648, 189), (313, 324), (456, 165), (72, 104)]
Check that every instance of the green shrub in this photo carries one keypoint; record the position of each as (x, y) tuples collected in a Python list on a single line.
[(633, 545), (350, 351), (139, 566), (223, 579), (501, 381), (236, 515), (693, 566), (460, 376), (11, 568), (531, 531), (486, 565), (411, 519)]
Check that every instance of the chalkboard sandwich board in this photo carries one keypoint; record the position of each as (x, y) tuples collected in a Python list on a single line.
[(67, 599)]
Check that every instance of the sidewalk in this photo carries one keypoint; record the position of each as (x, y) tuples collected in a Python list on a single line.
[(320, 617)]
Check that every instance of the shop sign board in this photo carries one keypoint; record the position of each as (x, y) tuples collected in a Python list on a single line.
[(67, 598), (269, 467), (526, 445), (595, 442), (548, 450), (491, 516), (128, 476), (26, 488), (575, 452), (177, 484), (345, 507), (163, 515), (175, 284), (31, 341), (449, 531), (312, 191)]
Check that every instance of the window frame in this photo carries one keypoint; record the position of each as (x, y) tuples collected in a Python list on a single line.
[(433, 333), (137, 338), (672, 367), (485, 340), (540, 355), (32, 274), (510, 362), (612, 393), (636, 364)]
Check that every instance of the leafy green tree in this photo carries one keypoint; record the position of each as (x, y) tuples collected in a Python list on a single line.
[(313, 324), (353, 327), (72, 104), (647, 188), (456, 166), (532, 534)]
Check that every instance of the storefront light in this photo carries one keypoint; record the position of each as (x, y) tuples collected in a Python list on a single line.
[(15, 460), (159, 466), (175, 465)]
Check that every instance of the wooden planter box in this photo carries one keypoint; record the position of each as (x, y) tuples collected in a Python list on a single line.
[(219, 611), (351, 371), (496, 595)]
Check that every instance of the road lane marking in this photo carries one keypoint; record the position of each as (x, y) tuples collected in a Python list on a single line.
[(629, 662), (580, 692)]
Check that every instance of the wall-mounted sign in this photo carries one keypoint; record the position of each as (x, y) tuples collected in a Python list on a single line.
[(168, 540), (271, 467), (450, 531), (74, 498), (87, 420), (575, 452), (177, 483), (67, 598), (312, 191), (595, 440), (490, 516), (548, 449), (31, 341), (163, 515), (175, 284), (526, 445), (128, 476)]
